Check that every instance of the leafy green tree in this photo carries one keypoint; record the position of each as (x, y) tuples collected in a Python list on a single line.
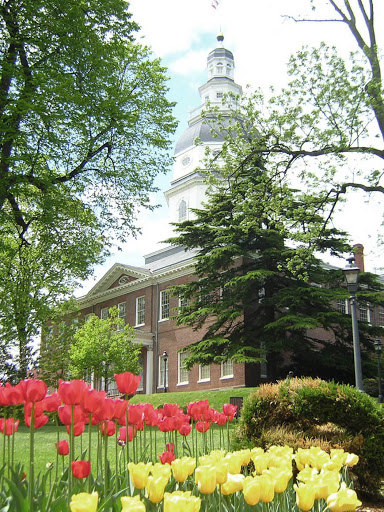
[(84, 130), (104, 347), (326, 128), (250, 299)]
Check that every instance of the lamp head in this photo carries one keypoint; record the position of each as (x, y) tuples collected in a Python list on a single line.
[(351, 274), (378, 346)]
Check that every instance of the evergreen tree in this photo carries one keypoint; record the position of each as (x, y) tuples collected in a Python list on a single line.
[(260, 291)]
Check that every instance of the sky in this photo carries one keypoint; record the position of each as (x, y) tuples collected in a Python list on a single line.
[(262, 37)]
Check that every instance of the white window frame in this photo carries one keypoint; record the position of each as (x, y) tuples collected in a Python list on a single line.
[(122, 312), (226, 370), (340, 307), (104, 313), (182, 210), (164, 308), (161, 372), (367, 310), (182, 373), (204, 368), (140, 311)]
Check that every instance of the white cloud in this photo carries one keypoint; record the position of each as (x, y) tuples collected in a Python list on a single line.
[(190, 63)]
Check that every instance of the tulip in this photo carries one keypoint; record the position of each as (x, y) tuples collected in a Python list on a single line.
[(221, 419), (65, 414), (107, 428), (62, 447), (155, 488), (344, 500), (12, 395), (185, 429), (33, 390), (127, 383), (123, 434), (179, 500), (163, 470), (233, 484), (202, 426), (267, 488), (120, 407), (183, 468), (132, 504), (39, 421), (9, 426), (305, 496), (92, 400), (170, 409), (229, 410), (72, 392), (78, 428), (198, 410), (84, 502), (51, 402), (81, 468), (251, 490), (351, 460), (205, 478), (139, 474), (280, 477), (326, 483), (167, 457)]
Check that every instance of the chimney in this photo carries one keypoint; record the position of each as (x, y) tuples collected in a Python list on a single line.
[(359, 256)]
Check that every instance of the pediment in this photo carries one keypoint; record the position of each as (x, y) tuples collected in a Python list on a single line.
[(118, 275)]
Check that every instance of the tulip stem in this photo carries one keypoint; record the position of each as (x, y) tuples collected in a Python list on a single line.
[(31, 478), (89, 447)]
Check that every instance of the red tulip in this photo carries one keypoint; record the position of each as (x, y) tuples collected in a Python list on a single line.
[(72, 392), (93, 400), (65, 414), (202, 426), (229, 410), (81, 468), (185, 429), (221, 419), (197, 410), (51, 402), (167, 424), (153, 418), (107, 409), (37, 407), (39, 421), (170, 409), (33, 390), (78, 428), (127, 383), (62, 447), (9, 426), (108, 428), (135, 414), (168, 456), (123, 434), (12, 395), (120, 407)]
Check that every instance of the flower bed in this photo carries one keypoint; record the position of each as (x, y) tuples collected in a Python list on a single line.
[(183, 474)]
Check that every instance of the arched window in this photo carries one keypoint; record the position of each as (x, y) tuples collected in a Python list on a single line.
[(182, 210), (219, 68)]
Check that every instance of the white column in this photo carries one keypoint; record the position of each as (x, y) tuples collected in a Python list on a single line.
[(149, 372)]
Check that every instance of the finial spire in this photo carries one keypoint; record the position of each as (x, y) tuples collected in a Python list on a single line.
[(220, 38)]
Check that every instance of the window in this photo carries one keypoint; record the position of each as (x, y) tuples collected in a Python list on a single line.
[(183, 303), (219, 95), (161, 372), (219, 68), (364, 313), (186, 160), (164, 305), (182, 371), (182, 210), (87, 317), (104, 313), (122, 310), (381, 316), (140, 311), (263, 364), (204, 372), (341, 306), (227, 369), (141, 373)]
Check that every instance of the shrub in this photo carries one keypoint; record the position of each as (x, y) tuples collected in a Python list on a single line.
[(304, 412)]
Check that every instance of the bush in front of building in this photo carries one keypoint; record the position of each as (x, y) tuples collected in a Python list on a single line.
[(303, 412)]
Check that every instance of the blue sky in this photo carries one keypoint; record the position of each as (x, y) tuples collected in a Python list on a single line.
[(183, 32)]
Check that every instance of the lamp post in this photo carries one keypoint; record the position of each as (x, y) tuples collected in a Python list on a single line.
[(378, 347), (351, 274), (165, 359)]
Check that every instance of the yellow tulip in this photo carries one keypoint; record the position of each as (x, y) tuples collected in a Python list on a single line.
[(280, 477), (205, 477), (302, 457), (305, 496), (132, 504), (84, 502), (251, 490), (183, 468), (351, 460), (267, 488), (139, 474), (233, 484), (159, 469), (179, 500), (344, 500), (307, 474), (221, 467), (261, 462), (234, 461), (326, 483), (155, 488)]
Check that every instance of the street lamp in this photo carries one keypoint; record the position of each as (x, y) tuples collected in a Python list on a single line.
[(165, 359), (379, 347), (351, 274)]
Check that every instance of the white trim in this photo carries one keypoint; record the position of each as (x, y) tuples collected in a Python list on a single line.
[(180, 369), (137, 310), (229, 376)]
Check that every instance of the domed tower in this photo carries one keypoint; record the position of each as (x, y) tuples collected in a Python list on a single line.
[(187, 187)]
